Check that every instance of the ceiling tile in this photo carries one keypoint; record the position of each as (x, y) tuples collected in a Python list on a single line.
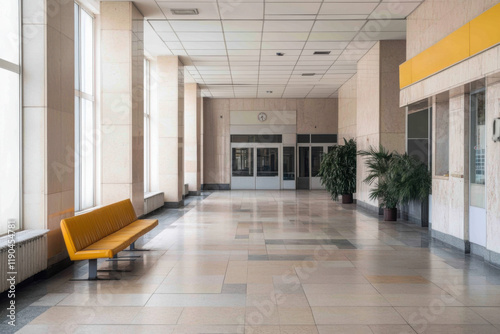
[(204, 45), (339, 25), (201, 36), (284, 36), (332, 36), (242, 26), (195, 25), (349, 8), (243, 36), (243, 45), (283, 45), (206, 52), (292, 8), (160, 25), (280, 26), (395, 10), (326, 46), (385, 25), (168, 36), (238, 10)]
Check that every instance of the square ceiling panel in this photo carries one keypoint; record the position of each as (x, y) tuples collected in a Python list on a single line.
[(238, 10), (292, 8), (348, 8)]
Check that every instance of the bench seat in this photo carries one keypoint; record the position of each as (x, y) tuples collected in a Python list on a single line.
[(104, 232)]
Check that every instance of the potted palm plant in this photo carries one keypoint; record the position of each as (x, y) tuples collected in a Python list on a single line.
[(398, 178), (338, 171)]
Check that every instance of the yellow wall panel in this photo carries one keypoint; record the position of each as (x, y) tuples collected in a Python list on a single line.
[(485, 30), (405, 78), (448, 51)]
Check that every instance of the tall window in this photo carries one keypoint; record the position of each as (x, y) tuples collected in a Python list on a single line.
[(147, 117), (84, 110), (10, 116)]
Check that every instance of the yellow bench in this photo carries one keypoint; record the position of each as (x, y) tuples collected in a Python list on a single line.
[(103, 233)]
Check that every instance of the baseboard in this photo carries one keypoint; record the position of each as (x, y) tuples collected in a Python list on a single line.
[(194, 193), (489, 256), (368, 207), (462, 245), (174, 205), (216, 186)]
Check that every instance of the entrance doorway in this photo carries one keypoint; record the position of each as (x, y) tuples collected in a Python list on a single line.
[(311, 153)]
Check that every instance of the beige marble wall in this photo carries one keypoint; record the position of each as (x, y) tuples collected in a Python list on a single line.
[(367, 115), (122, 80), (435, 19), (347, 109), (48, 118), (319, 116), (192, 135), (392, 117), (170, 72)]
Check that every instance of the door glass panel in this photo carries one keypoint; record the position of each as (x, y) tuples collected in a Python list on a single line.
[(478, 150), (242, 161), (288, 163), (316, 156), (303, 161), (267, 162)]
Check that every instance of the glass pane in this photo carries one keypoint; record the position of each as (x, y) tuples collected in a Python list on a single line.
[(242, 138), (323, 138), (87, 53), (478, 150), (288, 163), (9, 31), (303, 161), (268, 138), (267, 162), (418, 125), (87, 155), (442, 150), (303, 138), (242, 161), (146, 153), (9, 149), (419, 148), (316, 156)]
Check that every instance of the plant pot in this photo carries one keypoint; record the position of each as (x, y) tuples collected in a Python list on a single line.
[(347, 199), (390, 215)]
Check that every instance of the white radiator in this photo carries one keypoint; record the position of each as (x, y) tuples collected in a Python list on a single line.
[(153, 201), (30, 253)]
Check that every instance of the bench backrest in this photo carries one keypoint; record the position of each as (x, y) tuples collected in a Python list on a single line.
[(83, 230)]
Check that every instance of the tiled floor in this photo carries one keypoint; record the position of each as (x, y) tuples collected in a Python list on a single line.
[(279, 262)]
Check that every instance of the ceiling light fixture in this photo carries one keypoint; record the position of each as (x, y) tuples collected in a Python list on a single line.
[(308, 74), (280, 54), (184, 11), (269, 91), (322, 52)]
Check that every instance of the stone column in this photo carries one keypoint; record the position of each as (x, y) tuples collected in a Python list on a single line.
[(171, 129), (48, 119), (122, 119), (192, 137)]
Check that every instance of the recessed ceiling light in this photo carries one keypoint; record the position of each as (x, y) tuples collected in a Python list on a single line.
[(280, 54), (269, 92), (184, 11), (322, 52), (308, 74)]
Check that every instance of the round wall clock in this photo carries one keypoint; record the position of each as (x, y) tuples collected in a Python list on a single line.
[(262, 116)]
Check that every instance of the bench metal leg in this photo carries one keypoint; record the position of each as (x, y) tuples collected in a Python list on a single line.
[(133, 249), (93, 269)]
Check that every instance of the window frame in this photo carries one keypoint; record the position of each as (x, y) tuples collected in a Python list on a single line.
[(147, 124)]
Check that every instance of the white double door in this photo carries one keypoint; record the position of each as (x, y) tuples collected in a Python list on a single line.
[(256, 166)]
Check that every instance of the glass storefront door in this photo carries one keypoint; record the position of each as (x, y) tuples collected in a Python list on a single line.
[(477, 169), (303, 179), (267, 168)]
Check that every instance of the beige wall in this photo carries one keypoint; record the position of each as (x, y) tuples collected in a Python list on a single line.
[(319, 116), (48, 119), (379, 119), (347, 109), (367, 115), (435, 19)]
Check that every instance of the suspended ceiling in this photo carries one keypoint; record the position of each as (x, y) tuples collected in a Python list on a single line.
[(230, 47)]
